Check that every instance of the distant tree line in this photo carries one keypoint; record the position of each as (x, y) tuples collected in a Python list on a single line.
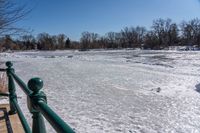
[(162, 34)]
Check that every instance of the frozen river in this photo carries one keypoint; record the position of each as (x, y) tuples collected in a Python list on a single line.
[(117, 91)]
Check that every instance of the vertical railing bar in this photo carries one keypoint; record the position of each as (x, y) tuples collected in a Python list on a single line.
[(21, 117), (11, 88)]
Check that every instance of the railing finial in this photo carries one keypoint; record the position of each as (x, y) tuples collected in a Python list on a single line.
[(9, 64), (35, 84)]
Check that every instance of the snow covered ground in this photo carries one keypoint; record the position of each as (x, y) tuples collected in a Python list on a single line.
[(117, 91)]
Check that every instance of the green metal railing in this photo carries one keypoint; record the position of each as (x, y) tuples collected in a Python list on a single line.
[(37, 104)]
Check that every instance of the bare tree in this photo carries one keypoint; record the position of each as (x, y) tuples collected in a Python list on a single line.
[(127, 36), (141, 32), (158, 27), (110, 36), (61, 41), (29, 41), (10, 13), (165, 31), (85, 40), (89, 40), (173, 34), (133, 36), (93, 40), (191, 32), (46, 41), (8, 43), (102, 42), (151, 40)]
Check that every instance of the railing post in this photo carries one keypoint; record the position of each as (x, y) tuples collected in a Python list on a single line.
[(36, 84), (11, 87)]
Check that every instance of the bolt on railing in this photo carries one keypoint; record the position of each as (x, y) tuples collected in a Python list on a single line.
[(37, 104)]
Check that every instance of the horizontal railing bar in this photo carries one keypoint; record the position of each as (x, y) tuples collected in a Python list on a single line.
[(4, 94), (21, 117), (56, 122), (23, 86), (2, 70)]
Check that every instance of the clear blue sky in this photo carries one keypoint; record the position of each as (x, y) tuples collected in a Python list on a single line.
[(72, 17)]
